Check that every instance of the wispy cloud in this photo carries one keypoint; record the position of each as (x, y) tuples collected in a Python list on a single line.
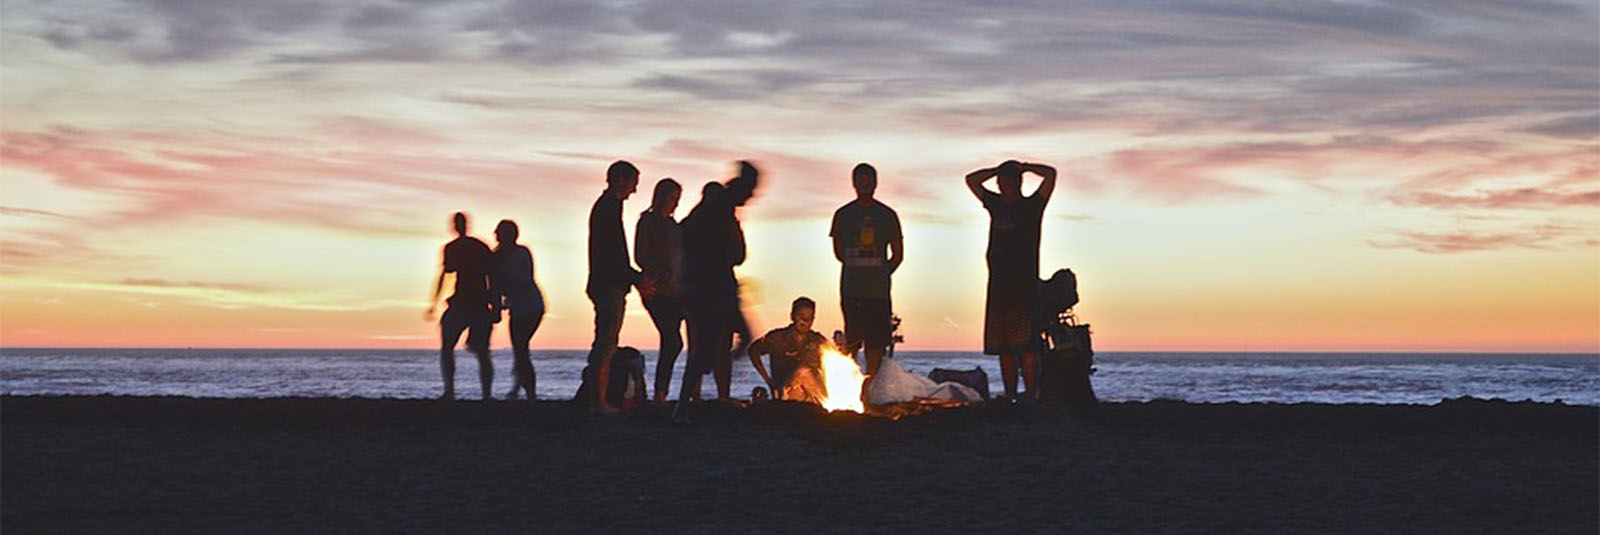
[(1515, 198), (164, 283), (1543, 236)]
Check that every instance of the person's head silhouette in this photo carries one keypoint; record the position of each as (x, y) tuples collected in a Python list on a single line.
[(622, 178), (803, 312), (506, 232), (865, 179), (711, 190), (1009, 177), (664, 200), (459, 222)]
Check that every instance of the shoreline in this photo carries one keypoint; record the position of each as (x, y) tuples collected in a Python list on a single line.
[(110, 463)]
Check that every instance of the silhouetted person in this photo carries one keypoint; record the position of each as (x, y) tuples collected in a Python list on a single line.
[(658, 248), (1009, 329), (468, 308), (512, 284), (713, 245), (867, 241), (611, 273), (796, 355)]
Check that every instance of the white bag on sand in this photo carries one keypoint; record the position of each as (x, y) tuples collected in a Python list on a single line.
[(893, 384)]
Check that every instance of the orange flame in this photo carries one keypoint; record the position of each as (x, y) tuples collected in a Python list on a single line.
[(842, 379)]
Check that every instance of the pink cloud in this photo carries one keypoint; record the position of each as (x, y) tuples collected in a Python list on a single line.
[(361, 188), (1514, 198)]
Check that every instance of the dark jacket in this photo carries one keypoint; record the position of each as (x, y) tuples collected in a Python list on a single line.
[(609, 266), (713, 244)]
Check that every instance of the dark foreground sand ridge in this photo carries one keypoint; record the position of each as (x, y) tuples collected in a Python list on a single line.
[(113, 464)]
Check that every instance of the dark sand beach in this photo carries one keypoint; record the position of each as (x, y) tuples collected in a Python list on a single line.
[(164, 465)]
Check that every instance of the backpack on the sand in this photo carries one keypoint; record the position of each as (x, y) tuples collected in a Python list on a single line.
[(627, 386), (1065, 367)]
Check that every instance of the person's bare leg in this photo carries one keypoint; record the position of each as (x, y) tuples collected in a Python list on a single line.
[(1030, 374), (874, 359), (485, 373), (602, 380), (723, 369), (690, 389), (517, 378), (1008, 374), (447, 369), (521, 365), (724, 374)]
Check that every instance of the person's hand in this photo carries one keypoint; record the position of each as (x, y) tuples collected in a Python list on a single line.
[(646, 286), (427, 315)]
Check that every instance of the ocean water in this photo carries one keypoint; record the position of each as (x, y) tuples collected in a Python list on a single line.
[(1381, 378)]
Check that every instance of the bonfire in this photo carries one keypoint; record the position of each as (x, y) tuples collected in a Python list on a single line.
[(841, 382)]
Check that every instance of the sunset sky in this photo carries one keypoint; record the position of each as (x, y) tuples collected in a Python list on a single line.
[(1235, 175)]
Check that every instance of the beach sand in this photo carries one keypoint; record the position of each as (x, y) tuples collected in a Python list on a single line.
[(162, 465)]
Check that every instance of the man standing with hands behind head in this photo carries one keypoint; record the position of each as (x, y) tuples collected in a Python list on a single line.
[(864, 231), (610, 274)]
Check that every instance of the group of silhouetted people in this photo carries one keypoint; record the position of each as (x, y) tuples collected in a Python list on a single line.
[(685, 277)]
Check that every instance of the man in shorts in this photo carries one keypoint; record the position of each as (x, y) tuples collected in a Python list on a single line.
[(867, 242), (468, 309)]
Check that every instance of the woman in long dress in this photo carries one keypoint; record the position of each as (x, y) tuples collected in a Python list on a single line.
[(1009, 329)]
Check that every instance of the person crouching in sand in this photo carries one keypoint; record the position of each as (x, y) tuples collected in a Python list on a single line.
[(796, 355)]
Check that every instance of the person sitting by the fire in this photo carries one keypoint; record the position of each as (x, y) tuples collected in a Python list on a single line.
[(796, 354)]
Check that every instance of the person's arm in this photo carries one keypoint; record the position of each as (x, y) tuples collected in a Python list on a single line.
[(738, 253), (615, 247), (495, 304), (897, 246), (976, 179), (758, 348), (838, 242), (897, 253), (433, 303), (497, 290), (1046, 188), (647, 243)]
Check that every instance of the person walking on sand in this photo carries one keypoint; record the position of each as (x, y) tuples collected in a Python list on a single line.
[(868, 244), (512, 285), (1013, 257), (468, 309), (658, 248), (611, 274), (713, 245)]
